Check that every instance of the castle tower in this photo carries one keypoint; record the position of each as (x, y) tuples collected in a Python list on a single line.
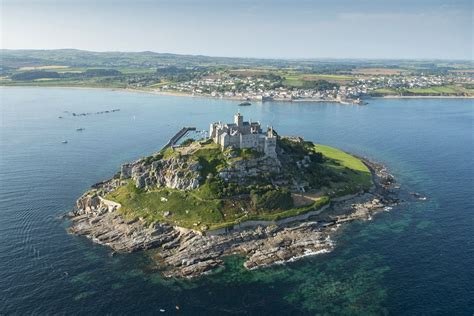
[(270, 132), (238, 119)]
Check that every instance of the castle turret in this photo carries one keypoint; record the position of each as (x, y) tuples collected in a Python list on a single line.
[(270, 132), (238, 119), (212, 131)]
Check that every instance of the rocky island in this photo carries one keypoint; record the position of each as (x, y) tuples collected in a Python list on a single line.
[(241, 191)]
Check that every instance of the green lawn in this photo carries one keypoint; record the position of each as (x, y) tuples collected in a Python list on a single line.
[(348, 166)]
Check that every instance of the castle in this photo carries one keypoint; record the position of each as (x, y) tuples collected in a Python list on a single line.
[(242, 134)]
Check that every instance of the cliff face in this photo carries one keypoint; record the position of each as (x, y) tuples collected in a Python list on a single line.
[(241, 170), (174, 173), (184, 174)]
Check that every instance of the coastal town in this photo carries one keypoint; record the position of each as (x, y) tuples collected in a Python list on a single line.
[(245, 80), (255, 88)]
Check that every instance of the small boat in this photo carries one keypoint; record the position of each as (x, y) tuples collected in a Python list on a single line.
[(80, 129), (245, 103), (64, 142)]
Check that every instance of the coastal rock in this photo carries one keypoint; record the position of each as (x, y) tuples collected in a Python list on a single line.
[(126, 171), (111, 230)]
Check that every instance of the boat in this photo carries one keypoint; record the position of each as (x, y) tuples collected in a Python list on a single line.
[(246, 103), (64, 142), (80, 129)]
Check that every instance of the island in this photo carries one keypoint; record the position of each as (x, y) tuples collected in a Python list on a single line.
[(239, 190)]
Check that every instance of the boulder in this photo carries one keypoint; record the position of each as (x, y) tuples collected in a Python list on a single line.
[(126, 171)]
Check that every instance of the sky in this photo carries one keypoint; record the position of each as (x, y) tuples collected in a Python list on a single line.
[(400, 29)]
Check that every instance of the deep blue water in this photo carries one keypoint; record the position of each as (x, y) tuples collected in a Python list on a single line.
[(416, 260)]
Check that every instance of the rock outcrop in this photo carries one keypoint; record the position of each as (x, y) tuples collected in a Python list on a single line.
[(243, 170), (174, 173), (98, 219)]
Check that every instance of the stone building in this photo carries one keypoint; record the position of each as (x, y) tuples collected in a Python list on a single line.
[(242, 134)]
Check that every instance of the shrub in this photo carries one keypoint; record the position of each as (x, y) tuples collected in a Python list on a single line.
[(102, 73), (272, 199), (32, 75), (148, 160), (187, 142)]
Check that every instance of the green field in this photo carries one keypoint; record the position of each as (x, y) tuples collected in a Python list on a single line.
[(431, 91), (385, 91), (440, 90), (298, 79)]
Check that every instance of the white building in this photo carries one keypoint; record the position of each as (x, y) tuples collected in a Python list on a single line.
[(242, 134)]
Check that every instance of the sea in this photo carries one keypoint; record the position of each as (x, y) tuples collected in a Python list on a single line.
[(417, 259)]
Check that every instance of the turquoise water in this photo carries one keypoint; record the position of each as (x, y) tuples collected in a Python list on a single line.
[(417, 259)]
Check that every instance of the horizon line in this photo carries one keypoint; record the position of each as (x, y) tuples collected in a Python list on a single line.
[(245, 57)]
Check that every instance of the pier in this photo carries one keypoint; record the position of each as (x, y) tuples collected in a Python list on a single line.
[(173, 140)]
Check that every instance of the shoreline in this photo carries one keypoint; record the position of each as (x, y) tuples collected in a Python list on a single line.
[(238, 99)]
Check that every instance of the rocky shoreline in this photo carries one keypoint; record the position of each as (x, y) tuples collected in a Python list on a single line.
[(188, 253)]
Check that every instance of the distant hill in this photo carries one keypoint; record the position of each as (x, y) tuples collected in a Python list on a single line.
[(81, 58)]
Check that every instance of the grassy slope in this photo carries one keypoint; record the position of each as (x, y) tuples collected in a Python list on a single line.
[(188, 208), (349, 166), (139, 203)]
